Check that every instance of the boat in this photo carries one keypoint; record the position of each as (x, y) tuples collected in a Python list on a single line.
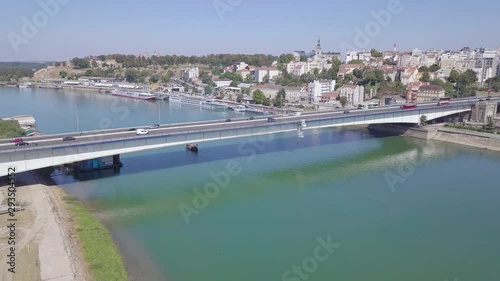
[(214, 104), (11, 85), (133, 95), (192, 147), (50, 86), (186, 100), (238, 108), (160, 96)]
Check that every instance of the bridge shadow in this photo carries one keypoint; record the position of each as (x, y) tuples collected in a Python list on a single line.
[(244, 148)]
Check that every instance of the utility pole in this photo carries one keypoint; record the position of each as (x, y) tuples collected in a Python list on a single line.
[(159, 113), (77, 120)]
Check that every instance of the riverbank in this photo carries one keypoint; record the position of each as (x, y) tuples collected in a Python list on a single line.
[(441, 133), (57, 237)]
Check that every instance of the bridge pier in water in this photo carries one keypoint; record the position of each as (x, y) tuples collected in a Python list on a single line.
[(110, 162)]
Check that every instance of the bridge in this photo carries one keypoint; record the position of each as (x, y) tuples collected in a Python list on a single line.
[(51, 150)]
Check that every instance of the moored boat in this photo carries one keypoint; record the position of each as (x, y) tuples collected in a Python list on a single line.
[(192, 147), (133, 95)]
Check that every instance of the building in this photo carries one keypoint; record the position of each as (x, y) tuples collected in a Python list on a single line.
[(88, 79), (222, 83), (330, 98), (293, 94), (486, 64), (319, 87), (355, 94), (427, 93), (188, 73), (265, 72)]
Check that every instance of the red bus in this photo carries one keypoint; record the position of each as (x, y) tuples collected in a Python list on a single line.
[(445, 99), (408, 106)]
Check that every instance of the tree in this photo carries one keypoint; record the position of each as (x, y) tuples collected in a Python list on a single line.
[(280, 98), (63, 74), (209, 90), (94, 64), (423, 120), (423, 69), (466, 83), (454, 75), (154, 78), (286, 58), (376, 54), (303, 58), (259, 97), (349, 77), (343, 101), (434, 68), (494, 83), (358, 73), (234, 84), (373, 77), (132, 75), (249, 78), (80, 63), (425, 77)]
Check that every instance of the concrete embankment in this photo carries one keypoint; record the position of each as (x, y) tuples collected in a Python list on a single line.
[(441, 133)]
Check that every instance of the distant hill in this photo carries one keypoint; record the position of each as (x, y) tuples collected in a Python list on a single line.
[(30, 65)]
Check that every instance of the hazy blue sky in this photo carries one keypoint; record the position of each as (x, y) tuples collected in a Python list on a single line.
[(91, 27)]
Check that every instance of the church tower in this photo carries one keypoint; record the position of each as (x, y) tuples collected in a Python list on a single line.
[(319, 52)]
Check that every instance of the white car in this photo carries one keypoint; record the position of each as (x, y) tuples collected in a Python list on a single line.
[(297, 114), (141, 132)]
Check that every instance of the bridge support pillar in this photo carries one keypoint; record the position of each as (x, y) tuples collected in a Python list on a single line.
[(98, 164)]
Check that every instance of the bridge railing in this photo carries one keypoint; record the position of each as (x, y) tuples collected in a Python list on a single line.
[(132, 140)]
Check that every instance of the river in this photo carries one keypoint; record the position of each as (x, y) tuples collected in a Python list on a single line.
[(338, 204)]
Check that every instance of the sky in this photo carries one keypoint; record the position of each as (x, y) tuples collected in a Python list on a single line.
[(50, 30)]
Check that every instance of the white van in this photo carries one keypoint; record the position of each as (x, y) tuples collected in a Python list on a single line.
[(141, 132)]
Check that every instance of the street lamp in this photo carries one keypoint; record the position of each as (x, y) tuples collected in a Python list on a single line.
[(77, 120)]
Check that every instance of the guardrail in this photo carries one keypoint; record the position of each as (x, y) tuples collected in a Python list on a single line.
[(229, 127)]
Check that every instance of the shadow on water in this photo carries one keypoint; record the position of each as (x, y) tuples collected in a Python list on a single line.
[(244, 148)]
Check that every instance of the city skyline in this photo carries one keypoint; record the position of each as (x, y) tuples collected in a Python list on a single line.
[(63, 29)]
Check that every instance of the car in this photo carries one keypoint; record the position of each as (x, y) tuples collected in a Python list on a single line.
[(481, 99), (21, 143), (16, 140), (69, 138), (141, 132), (228, 120), (155, 126), (346, 112), (297, 113), (251, 118), (271, 119), (488, 98), (132, 129)]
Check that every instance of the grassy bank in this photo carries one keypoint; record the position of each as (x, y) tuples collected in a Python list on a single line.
[(10, 129), (99, 250)]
